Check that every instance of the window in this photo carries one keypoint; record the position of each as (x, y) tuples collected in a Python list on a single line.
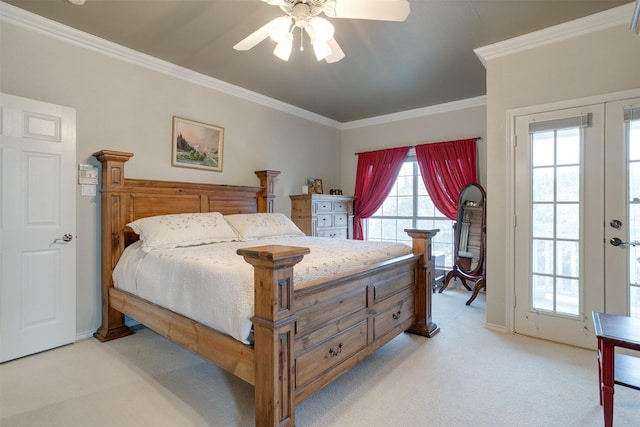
[(409, 206)]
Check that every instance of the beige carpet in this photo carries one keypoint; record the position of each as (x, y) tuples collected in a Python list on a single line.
[(467, 375)]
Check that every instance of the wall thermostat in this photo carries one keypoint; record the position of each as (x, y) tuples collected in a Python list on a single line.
[(88, 174)]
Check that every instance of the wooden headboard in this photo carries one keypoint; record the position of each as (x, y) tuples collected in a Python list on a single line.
[(124, 200)]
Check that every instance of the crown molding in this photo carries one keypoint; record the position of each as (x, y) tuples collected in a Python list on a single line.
[(418, 112), (609, 18), (39, 24)]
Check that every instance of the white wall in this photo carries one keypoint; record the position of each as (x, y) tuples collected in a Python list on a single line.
[(126, 107), (604, 61)]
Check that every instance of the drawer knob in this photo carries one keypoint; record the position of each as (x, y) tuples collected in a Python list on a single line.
[(396, 315), (336, 352)]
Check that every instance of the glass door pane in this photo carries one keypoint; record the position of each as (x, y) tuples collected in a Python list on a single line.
[(633, 144), (555, 214)]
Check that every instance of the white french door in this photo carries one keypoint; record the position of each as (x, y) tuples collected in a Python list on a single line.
[(622, 208), (577, 173), (558, 204)]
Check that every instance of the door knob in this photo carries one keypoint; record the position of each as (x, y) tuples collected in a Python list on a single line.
[(618, 242), (65, 238), (616, 223)]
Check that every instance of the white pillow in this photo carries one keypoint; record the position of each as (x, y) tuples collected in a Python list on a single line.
[(262, 225), (179, 230)]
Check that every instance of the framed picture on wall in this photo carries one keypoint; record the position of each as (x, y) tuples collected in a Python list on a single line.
[(197, 145)]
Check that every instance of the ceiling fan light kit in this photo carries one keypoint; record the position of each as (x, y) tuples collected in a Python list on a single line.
[(303, 14), (279, 28), (284, 47)]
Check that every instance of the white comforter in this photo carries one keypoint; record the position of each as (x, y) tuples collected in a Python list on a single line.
[(213, 285)]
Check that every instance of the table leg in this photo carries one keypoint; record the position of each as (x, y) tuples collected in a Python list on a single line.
[(608, 357), (599, 354)]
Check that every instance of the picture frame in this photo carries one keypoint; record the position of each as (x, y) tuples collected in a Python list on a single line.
[(310, 185), (196, 145), (314, 185), (317, 186)]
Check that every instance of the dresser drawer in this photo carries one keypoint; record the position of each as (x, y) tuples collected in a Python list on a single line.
[(340, 220), (323, 206), (334, 233), (325, 356), (325, 220), (340, 207), (394, 314)]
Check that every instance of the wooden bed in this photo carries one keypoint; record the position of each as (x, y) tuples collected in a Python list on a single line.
[(303, 338)]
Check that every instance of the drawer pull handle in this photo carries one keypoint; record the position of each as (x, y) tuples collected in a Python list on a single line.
[(396, 315), (336, 352)]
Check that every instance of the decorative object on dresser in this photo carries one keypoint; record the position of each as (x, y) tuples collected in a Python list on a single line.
[(197, 145), (469, 240), (323, 215), (314, 186)]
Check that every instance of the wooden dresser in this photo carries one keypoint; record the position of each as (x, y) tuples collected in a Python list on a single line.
[(323, 215)]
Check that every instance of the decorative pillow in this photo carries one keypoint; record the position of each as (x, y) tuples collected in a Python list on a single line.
[(262, 225), (179, 230)]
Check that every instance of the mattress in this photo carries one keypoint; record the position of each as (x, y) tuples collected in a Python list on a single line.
[(213, 285)]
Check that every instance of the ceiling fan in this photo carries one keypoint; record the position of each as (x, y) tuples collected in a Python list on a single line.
[(305, 15)]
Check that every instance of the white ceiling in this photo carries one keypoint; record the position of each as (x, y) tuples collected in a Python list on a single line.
[(389, 67)]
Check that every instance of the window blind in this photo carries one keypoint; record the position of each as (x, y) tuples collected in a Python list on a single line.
[(631, 113), (581, 121)]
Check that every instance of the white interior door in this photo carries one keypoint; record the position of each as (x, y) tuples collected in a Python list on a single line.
[(38, 227), (559, 268)]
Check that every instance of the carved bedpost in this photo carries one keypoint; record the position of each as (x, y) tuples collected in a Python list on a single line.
[(273, 324), (267, 182), (424, 281), (114, 214)]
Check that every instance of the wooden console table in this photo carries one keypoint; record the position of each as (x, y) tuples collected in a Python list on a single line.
[(616, 331)]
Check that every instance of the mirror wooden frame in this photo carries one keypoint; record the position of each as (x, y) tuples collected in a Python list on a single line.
[(472, 267)]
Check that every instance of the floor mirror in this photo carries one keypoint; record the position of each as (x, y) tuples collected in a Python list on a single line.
[(469, 241)]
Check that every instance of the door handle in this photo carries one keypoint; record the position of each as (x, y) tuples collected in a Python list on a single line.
[(618, 242), (65, 238)]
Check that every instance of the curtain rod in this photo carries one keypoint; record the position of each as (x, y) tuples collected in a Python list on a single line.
[(477, 138)]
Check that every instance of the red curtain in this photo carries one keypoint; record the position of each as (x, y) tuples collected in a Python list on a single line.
[(446, 168), (376, 173)]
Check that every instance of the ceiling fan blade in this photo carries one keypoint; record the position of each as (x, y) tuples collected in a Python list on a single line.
[(336, 53), (254, 38), (379, 10)]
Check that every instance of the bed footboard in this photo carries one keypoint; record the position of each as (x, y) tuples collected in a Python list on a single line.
[(306, 338)]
